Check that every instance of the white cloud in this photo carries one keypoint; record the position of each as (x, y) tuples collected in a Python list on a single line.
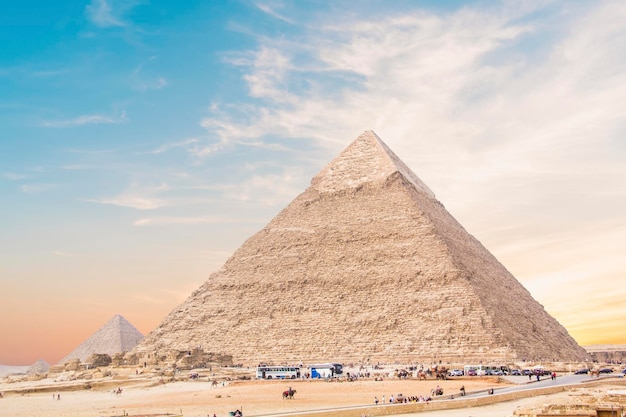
[(269, 189), (136, 202), (171, 220), (36, 188), (186, 144), (155, 84), (89, 119), (265, 8), (267, 69), (137, 197), (102, 14), (12, 176)]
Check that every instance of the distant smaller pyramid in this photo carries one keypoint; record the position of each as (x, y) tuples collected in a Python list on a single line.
[(39, 367), (116, 336)]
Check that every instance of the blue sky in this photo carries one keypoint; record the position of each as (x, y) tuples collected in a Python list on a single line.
[(143, 141)]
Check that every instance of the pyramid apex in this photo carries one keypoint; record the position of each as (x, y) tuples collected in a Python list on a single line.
[(366, 160)]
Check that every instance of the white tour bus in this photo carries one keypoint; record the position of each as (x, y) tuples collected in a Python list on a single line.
[(277, 372), (484, 369)]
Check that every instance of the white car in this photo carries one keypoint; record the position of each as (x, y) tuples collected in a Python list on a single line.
[(455, 372)]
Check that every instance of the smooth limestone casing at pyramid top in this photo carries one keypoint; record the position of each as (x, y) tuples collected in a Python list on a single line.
[(364, 266)]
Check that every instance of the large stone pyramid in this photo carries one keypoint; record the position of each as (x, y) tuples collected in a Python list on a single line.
[(116, 336), (364, 266)]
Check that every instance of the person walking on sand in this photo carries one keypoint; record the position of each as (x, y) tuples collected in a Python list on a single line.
[(376, 400)]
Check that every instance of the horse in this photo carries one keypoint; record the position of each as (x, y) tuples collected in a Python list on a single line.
[(288, 395), (594, 372), (421, 375), (440, 373)]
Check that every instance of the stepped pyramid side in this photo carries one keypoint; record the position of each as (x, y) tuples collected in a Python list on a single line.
[(365, 265), (116, 336)]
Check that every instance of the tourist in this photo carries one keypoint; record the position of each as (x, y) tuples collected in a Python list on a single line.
[(376, 400), (462, 390)]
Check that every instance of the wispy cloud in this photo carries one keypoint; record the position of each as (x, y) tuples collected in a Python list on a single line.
[(64, 254), (187, 144), (143, 82), (14, 176), (155, 84), (36, 188), (161, 221), (137, 197), (269, 189), (132, 201), (267, 9), (83, 120), (101, 14)]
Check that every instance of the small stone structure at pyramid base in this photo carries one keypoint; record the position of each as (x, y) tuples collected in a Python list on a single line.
[(364, 266), (181, 359)]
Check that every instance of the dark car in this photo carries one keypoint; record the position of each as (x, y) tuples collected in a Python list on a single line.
[(606, 371), (472, 372), (582, 371), (516, 372)]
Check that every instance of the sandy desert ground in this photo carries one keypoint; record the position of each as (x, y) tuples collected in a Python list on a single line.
[(199, 399), (144, 396)]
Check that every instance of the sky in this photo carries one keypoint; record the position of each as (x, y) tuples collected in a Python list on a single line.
[(142, 142)]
